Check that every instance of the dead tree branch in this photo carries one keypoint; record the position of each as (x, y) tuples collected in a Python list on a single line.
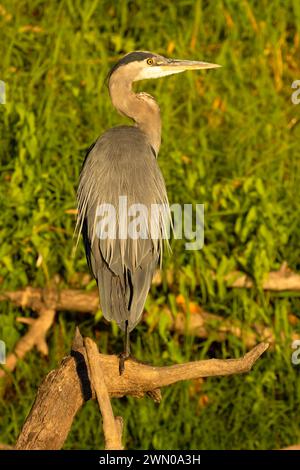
[(282, 280), (200, 323), (82, 301), (111, 425), (65, 389), (38, 328)]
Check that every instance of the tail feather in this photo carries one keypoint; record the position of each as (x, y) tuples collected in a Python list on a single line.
[(123, 298)]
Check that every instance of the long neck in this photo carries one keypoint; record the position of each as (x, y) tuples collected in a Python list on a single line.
[(140, 107)]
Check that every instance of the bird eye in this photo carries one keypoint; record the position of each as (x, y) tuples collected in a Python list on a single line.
[(150, 61)]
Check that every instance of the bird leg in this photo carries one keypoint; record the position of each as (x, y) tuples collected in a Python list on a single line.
[(124, 355)]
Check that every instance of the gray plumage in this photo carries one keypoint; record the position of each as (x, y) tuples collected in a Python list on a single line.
[(123, 268)]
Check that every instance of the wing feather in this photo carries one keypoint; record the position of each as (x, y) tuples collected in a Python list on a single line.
[(121, 163)]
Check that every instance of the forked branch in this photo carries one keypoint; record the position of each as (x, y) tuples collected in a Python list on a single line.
[(65, 389)]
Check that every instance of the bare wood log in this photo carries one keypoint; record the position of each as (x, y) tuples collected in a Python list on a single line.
[(111, 425), (68, 299), (201, 324), (87, 301), (36, 334), (198, 324), (282, 280), (65, 389)]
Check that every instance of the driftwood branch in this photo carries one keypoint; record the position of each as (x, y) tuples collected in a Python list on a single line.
[(283, 280), (200, 323), (87, 374), (88, 301), (65, 389), (84, 301), (112, 427), (38, 328)]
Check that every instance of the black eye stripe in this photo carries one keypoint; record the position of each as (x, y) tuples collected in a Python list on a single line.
[(132, 57)]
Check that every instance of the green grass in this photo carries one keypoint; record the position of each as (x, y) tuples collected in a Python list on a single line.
[(239, 132)]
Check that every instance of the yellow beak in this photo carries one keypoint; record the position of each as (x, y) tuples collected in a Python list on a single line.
[(182, 65)]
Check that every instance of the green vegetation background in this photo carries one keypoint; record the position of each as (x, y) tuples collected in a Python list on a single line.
[(230, 140)]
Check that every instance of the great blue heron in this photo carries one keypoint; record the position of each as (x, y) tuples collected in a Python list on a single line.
[(122, 162)]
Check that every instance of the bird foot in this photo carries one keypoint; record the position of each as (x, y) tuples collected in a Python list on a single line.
[(122, 358)]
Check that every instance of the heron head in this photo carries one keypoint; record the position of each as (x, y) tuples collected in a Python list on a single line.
[(142, 65)]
